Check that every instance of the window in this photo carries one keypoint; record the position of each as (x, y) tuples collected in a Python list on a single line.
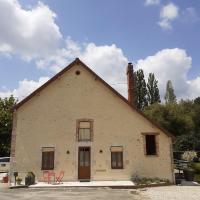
[(48, 158), (84, 156), (5, 159), (150, 144), (84, 130), (117, 157)]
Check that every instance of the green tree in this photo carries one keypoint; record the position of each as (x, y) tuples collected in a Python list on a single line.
[(173, 117), (153, 95), (140, 90), (185, 142), (181, 119), (197, 100), (170, 97), (6, 106)]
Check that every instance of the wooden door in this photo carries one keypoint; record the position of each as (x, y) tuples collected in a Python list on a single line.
[(84, 163)]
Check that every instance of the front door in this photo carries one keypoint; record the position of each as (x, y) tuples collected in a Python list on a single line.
[(84, 163)]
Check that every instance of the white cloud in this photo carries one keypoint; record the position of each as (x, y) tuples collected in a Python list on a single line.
[(194, 88), (165, 24), (28, 33), (25, 87), (108, 61), (168, 13), (172, 64), (152, 2)]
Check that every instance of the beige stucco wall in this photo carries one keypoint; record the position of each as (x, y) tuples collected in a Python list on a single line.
[(49, 119)]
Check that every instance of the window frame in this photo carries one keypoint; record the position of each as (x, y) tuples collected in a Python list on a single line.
[(156, 143), (78, 122), (117, 161), (51, 167)]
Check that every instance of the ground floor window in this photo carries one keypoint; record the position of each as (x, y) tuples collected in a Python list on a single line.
[(116, 157), (48, 158)]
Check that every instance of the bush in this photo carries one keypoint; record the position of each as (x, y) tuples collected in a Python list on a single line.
[(148, 181), (196, 159), (197, 178), (30, 179), (18, 179), (189, 174), (196, 167), (189, 155)]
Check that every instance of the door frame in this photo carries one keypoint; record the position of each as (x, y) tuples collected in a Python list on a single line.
[(81, 147)]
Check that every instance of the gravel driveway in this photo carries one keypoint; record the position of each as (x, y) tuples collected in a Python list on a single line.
[(158, 193), (66, 194), (172, 193)]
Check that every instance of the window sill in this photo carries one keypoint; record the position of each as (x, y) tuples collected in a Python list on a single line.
[(152, 155), (118, 168)]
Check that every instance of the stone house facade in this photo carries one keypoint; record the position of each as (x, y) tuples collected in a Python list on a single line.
[(79, 124)]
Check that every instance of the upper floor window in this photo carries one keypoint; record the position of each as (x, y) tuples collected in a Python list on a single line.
[(151, 144), (85, 130)]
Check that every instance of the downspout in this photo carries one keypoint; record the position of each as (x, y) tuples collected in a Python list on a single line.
[(13, 144)]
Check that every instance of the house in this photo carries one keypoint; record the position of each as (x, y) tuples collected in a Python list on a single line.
[(78, 123)]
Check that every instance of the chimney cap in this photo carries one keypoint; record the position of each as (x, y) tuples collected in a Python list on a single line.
[(129, 68)]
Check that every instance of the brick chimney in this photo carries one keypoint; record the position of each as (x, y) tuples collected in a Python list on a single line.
[(130, 82)]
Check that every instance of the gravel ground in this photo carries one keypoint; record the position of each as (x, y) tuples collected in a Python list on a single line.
[(67, 194), (171, 193), (157, 193), (3, 185)]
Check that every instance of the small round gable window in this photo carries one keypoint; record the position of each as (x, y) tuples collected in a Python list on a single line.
[(77, 72)]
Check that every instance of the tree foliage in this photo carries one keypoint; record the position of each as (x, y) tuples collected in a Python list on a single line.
[(170, 97), (140, 90), (197, 101), (181, 119), (153, 95), (6, 105)]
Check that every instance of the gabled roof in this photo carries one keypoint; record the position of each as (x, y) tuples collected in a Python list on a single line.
[(77, 61)]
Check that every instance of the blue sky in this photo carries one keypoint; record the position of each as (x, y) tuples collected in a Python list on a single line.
[(40, 38)]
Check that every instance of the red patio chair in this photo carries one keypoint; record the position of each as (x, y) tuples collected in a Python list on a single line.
[(52, 174), (60, 177), (46, 176)]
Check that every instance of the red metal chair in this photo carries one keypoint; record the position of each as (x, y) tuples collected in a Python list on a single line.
[(52, 174), (47, 176), (60, 177)]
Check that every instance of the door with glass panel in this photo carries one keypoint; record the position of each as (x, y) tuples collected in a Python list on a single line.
[(84, 163)]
